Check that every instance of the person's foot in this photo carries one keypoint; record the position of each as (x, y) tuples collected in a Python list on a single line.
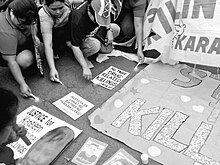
[(89, 63)]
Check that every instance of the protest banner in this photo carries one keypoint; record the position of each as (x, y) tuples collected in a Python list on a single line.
[(110, 78), (196, 32), (159, 20), (184, 30), (73, 105), (45, 132), (168, 112)]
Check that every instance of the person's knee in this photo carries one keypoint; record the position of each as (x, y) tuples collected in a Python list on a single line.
[(115, 29), (127, 26), (128, 30), (25, 59), (90, 46)]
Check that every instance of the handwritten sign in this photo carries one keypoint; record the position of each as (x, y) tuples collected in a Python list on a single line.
[(110, 78), (73, 105), (38, 123)]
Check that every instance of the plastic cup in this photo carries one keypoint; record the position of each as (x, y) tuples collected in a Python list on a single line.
[(144, 158)]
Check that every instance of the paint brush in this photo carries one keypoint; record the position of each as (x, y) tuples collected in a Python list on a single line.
[(23, 137), (60, 82), (36, 99), (136, 67), (193, 73)]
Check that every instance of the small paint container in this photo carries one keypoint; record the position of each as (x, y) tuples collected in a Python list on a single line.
[(144, 158)]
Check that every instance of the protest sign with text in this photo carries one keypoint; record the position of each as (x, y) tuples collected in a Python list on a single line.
[(110, 78), (39, 123), (73, 105)]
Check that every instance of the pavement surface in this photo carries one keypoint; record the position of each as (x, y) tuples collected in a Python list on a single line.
[(71, 75)]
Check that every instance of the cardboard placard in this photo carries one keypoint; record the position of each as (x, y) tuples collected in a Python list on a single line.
[(73, 105), (110, 78)]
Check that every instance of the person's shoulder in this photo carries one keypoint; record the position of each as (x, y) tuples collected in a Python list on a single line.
[(42, 12), (2, 15), (5, 27), (45, 18), (2, 18), (80, 10), (7, 155)]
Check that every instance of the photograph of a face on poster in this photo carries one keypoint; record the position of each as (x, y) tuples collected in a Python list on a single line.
[(48, 147), (121, 157), (90, 152)]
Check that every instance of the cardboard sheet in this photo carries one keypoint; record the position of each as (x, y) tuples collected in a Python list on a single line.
[(170, 110)]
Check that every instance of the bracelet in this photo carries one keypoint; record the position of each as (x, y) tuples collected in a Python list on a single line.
[(109, 29)]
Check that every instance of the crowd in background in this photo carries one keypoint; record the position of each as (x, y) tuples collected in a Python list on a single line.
[(86, 27)]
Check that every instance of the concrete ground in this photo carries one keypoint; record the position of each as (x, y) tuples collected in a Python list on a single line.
[(71, 75)]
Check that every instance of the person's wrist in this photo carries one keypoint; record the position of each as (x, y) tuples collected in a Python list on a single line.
[(109, 29), (23, 84), (85, 67)]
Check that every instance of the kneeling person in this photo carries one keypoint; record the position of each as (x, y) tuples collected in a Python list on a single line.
[(16, 45), (88, 23)]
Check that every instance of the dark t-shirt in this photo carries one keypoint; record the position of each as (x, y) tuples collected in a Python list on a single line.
[(138, 7), (11, 38), (81, 25), (7, 156)]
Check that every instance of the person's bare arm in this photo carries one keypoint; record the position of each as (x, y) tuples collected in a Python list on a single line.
[(138, 25), (47, 40), (76, 1), (82, 61), (16, 72)]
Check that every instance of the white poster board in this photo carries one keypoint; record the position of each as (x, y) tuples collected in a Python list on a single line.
[(110, 78), (73, 105), (38, 123)]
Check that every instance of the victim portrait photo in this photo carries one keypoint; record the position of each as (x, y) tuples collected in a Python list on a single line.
[(45, 150)]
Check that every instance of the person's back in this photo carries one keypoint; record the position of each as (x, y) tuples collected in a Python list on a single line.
[(8, 110), (81, 24), (86, 23)]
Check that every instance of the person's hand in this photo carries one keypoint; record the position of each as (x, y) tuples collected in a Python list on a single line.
[(22, 131), (110, 37), (37, 42), (16, 132), (18, 161), (25, 91), (140, 55), (54, 76), (87, 74), (13, 137)]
